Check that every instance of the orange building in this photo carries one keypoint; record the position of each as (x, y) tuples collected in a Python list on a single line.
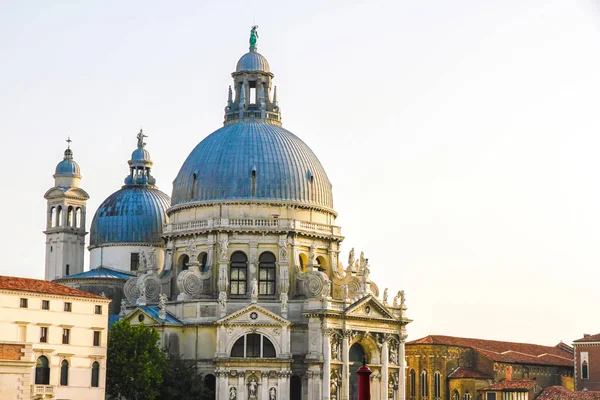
[(454, 368)]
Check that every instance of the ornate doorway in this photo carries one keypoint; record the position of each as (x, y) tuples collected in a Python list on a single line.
[(355, 357)]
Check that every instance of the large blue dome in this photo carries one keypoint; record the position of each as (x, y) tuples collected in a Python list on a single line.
[(134, 214), (252, 160)]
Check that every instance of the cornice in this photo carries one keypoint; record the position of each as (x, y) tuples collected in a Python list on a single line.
[(276, 203)]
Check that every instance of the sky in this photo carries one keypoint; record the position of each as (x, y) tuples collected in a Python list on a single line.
[(460, 136)]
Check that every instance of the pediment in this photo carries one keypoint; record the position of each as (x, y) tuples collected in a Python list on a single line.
[(151, 317), (72, 192), (369, 307), (253, 315)]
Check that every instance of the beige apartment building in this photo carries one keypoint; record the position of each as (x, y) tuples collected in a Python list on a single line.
[(53, 341)]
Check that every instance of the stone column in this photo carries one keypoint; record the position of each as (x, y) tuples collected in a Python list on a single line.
[(242, 387), (284, 282), (326, 363), (385, 359), (401, 369), (264, 386), (346, 366), (283, 384), (221, 387), (223, 281), (252, 265)]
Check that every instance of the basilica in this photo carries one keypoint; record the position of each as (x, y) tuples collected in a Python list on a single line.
[(239, 269)]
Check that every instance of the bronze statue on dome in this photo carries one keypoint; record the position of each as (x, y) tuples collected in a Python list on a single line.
[(253, 36)]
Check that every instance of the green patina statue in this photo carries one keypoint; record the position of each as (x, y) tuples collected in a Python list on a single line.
[(253, 36)]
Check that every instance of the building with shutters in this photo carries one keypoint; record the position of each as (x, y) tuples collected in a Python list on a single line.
[(53, 341)]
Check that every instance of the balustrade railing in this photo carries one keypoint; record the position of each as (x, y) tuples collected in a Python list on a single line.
[(38, 390), (255, 223)]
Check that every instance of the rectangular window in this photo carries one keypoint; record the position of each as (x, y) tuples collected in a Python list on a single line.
[(45, 304), (238, 280), (96, 338), (23, 303), (43, 334), (266, 279), (491, 396), (135, 261), (66, 335), (68, 270), (67, 307), (98, 310)]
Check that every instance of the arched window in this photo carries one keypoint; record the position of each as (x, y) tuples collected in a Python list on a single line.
[(424, 384), (356, 354), (210, 384), (321, 263), (183, 262), (53, 218), (302, 261), (64, 373), (70, 216), (295, 388), (467, 396), (42, 371), (59, 216), (266, 274), (95, 374), (413, 383), (455, 395), (238, 268), (202, 260), (584, 370), (437, 385), (253, 345), (253, 183), (78, 217)]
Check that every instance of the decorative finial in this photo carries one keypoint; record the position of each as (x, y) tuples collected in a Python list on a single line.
[(140, 138), (68, 142), (253, 37)]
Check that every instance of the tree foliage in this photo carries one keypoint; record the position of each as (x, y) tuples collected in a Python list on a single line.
[(182, 380), (138, 369), (135, 363)]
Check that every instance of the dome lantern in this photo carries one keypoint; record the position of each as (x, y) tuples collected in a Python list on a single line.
[(140, 164), (252, 82), (137, 212), (67, 172)]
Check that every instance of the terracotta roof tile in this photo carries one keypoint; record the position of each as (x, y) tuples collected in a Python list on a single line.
[(560, 393), (462, 372), (588, 338), (509, 386), (508, 352), (40, 286)]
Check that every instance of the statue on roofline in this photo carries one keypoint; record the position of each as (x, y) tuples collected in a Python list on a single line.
[(253, 36), (140, 138)]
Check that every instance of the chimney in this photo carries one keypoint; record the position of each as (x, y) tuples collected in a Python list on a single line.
[(508, 372), (586, 335)]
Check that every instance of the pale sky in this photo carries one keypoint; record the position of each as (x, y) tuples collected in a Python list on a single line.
[(461, 136)]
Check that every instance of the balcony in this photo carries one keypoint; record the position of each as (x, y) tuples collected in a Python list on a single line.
[(42, 391)]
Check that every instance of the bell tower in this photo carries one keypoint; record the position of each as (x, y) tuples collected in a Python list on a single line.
[(65, 220)]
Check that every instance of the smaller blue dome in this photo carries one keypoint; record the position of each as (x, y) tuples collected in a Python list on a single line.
[(253, 61), (67, 166), (140, 154), (133, 214)]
